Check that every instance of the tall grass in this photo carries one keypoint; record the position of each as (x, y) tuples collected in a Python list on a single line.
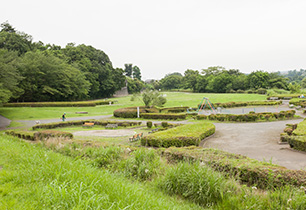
[(34, 178)]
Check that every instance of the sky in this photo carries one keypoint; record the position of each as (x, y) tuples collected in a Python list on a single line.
[(166, 36)]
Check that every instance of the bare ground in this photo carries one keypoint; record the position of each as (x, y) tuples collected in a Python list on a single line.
[(258, 141)]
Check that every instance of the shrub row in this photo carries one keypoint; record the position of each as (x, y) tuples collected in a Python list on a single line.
[(247, 103), (295, 135), (174, 109), (58, 104), (81, 122), (39, 135), (251, 117), (298, 102), (181, 136), (21, 134), (163, 116), (131, 112), (246, 170), (284, 96)]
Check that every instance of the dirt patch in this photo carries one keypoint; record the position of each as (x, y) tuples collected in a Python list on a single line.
[(105, 133)]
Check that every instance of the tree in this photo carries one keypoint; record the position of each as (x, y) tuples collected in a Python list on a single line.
[(190, 79), (258, 79), (48, 78), (153, 98), (13, 40), (134, 85), (136, 73), (171, 81), (9, 76), (128, 69)]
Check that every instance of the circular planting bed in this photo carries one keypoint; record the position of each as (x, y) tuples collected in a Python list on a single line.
[(105, 133)]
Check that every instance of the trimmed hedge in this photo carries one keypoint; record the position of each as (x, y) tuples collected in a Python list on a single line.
[(251, 117), (249, 171), (163, 116), (174, 109), (58, 104), (298, 102), (32, 136), (81, 122), (131, 112), (21, 134), (282, 96), (297, 142), (50, 133), (247, 103), (181, 136)]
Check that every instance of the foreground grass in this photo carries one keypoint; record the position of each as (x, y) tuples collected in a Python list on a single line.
[(173, 99), (34, 178)]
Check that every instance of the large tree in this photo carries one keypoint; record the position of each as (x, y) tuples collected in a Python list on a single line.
[(136, 73), (48, 78), (9, 76)]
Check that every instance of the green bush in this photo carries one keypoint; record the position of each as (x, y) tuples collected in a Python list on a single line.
[(131, 112), (81, 122), (21, 134), (163, 116), (180, 136), (174, 109), (149, 124), (297, 142), (164, 124), (52, 134), (59, 104), (251, 117)]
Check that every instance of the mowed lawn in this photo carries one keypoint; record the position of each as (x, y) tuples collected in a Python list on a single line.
[(173, 99)]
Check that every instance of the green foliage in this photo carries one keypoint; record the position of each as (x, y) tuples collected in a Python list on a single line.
[(153, 98), (197, 183), (143, 164), (185, 135), (294, 88), (134, 85), (128, 69), (163, 116), (171, 81), (149, 124), (136, 73), (42, 135)]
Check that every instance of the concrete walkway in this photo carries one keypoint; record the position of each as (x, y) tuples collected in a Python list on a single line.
[(4, 122)]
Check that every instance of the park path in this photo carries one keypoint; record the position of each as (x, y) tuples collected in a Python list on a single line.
[(4, 122), (258, 141)]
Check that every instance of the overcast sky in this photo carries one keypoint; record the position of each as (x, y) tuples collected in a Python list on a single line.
[(166, 36)]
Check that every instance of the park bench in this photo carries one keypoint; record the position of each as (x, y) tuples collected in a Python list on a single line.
[(87, 125), (136, 137), (154, 130), (112, 126)]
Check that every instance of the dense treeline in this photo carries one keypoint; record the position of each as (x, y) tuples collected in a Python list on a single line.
[(219, 80), (33, 71)]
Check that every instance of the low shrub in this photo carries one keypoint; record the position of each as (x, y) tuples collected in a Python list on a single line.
[(164, 124), (180, 136), (21, 134), (284, 96), (81, 122), (251, 117), (131, 112), (52, 134), (149, 124), (163, 116), (59, 104), (174, 109), (297, 142)]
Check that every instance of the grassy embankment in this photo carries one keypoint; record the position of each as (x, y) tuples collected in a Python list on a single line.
[(32, 177), (173, 99)]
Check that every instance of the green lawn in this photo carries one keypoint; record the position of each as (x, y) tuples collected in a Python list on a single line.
[(173, 99)]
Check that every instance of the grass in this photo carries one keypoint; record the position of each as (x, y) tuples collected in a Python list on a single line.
[(34, 178), (173, 99)]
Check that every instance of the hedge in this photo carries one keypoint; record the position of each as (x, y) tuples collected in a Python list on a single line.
[(181, 136), (174, 109), (251, 117), (131, 112), (246, 170), (81, 122), (58, 104), (298, 102), (163, 116), (39, 135), (50, 133), (247, 103), (297, 142), (284, 96), (21, 134)]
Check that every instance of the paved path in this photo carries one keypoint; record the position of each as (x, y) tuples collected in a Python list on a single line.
[(4, 122), (258, 141)]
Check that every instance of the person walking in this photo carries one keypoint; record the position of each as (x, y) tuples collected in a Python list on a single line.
[(64, 117)]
